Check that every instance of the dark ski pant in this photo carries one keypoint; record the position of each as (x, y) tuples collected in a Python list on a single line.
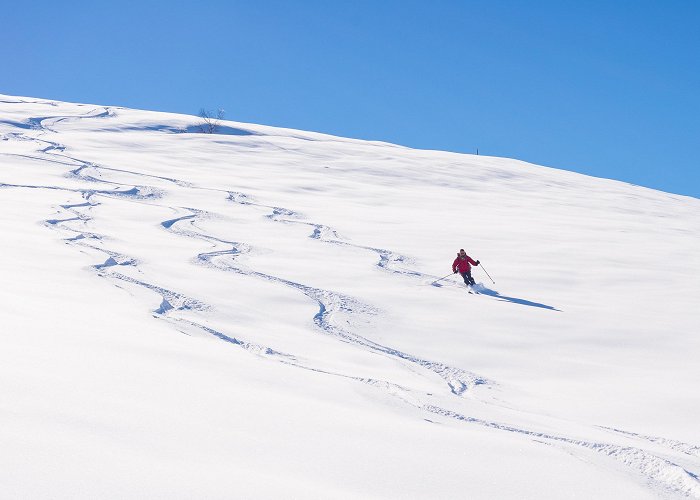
[(468, 280)]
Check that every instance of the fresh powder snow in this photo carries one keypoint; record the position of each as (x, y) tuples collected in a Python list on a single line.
[(258, 313)]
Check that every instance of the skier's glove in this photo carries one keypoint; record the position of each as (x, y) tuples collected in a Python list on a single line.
[(454, 271), (477, 262)]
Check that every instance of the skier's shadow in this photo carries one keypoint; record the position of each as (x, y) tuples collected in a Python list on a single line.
[(493, 293)]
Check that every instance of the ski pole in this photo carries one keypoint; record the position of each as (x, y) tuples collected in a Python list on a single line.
[(440, 279), (487, 273)]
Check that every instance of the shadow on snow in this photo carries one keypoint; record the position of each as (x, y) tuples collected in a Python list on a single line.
[(493, 293)]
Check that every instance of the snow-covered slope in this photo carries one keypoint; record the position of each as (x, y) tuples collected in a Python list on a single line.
[(255, 314)]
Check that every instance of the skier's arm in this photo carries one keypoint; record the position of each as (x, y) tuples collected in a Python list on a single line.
[(472, 261)]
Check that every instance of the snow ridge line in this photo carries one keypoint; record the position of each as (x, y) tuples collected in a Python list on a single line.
[(329, 303)]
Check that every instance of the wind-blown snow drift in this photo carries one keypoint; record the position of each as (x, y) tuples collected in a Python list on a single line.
[(256, 315)]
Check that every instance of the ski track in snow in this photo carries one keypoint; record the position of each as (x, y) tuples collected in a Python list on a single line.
[(329, 303), (170, 300), (672, 444), (388, 259), (661, 473), (41, 124)]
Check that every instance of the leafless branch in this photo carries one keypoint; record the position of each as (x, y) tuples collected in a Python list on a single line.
[(211, 121)]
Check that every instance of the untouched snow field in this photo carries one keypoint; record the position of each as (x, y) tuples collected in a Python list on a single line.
[(254, 314)]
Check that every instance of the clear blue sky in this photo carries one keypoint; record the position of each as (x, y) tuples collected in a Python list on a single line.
[(607, 88)]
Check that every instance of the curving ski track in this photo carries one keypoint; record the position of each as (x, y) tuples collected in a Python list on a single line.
[(329, 304), (661, 472)]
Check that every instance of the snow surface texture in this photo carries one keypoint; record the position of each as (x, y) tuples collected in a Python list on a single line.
[(257, 314)]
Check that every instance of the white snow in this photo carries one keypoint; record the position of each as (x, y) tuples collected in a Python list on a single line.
[(254, 314)]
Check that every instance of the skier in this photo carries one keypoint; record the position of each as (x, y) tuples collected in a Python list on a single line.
[(462, 265)]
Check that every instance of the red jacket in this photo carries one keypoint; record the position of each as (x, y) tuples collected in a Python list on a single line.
[(462, 265)]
